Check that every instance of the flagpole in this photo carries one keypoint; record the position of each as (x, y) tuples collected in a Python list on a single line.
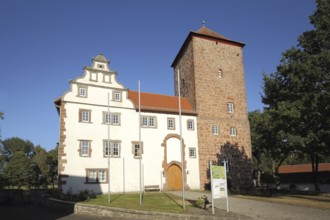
[(182, 156), (140, 151), (108, 142)]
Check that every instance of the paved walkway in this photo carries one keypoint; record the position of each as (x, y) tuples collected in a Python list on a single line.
[(263, 210)]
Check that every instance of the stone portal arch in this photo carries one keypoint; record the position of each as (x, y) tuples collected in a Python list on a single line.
[(172, 169)]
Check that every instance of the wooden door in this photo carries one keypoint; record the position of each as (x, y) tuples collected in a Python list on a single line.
[(174, 180)]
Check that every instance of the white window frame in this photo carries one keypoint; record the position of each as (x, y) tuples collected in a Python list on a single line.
[(117, 96), (171, 123), (105, 76), (96, 176), (233, 131), (149, 121), (230, 107), (85, 115), (190, 125), (113, 144), (135, 150), (84, 147), (82, 92), (92, 75), (192, 152), (114, 118), (215, 129)]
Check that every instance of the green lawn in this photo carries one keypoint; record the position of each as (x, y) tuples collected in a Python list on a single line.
[(157, 201)]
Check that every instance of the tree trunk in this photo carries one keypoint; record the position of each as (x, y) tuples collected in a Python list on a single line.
[(275, 175), (315, 169)]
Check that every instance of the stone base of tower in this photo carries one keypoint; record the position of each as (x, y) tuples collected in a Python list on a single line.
[(240, 166)]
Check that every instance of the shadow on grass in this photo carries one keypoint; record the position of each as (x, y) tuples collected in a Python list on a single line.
[(175, 201), (117, 196)]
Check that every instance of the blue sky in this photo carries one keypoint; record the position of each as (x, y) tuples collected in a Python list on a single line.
[(44, 44)]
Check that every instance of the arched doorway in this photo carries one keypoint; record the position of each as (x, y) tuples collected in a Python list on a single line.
[(174, 180)]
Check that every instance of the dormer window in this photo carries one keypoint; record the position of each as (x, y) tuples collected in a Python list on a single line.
[(106, 78), (93, 77)]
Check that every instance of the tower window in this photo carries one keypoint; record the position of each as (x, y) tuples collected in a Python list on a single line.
[(215, 129), (230, 107), (233, 131), (220, 72)]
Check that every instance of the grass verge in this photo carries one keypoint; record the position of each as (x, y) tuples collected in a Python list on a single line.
[(161, 202), (310, 201)]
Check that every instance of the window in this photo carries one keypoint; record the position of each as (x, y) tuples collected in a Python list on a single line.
[(113, 118), (114, 148), (215, 129), (102, 176), (170, 123), (190, 125), (84, 148), (233, 131), (84, 115), (93, 77), (92, 176), (136, 149), (230, 107), (106, 78), (96, 176), (192, 152), (149, 122), (220, 73), (82, 92), (116, 96)]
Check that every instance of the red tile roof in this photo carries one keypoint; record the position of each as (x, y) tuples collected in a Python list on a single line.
[(303, 168), (160, 103)]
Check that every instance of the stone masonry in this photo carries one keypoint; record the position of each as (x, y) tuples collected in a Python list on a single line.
[(212, 75)]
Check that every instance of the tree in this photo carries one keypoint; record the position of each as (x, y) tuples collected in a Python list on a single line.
[(16, 144), (53, 162), (16, 165), (270, 146), (297, 95), (40, 161), (18, 171)]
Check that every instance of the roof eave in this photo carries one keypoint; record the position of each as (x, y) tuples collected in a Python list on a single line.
[(192, 33)]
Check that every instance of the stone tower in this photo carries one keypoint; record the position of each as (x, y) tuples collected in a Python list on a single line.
[(212, 78)]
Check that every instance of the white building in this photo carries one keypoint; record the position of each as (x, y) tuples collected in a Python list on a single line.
[(84, 123)]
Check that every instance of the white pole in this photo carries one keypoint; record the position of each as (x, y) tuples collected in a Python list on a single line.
[(182, 156), (161, 181), (225, 163), (124, 175), (212, 197), (109, 149), (140, 151)]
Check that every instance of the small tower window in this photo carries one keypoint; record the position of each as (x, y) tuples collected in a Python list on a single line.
[(220, 72)]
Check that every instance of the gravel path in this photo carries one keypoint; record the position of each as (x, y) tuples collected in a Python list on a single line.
[(263, 210)]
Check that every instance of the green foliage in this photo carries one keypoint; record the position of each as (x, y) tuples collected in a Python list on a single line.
[(18, 171), (15, 144), (23, 164), (297, 95)]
